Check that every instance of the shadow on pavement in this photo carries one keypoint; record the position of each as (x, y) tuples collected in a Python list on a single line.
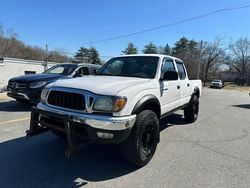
[(171, 120), (40, 161), (14, 106), (246, 106)]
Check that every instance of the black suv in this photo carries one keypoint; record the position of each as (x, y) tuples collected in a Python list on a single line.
[(28, 88)]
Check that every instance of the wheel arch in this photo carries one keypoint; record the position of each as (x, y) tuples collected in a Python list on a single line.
[(196, 92), (148, 102)]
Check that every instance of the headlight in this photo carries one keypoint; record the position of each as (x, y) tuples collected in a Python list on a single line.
[(44, 94), (104, 104), (38, 84), (109, 104)]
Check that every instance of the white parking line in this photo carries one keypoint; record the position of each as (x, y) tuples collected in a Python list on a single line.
[(14, 120)]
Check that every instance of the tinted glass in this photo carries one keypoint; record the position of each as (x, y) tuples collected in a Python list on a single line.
[(61, 69), (83, 71), (181, 70), (139, 66), (168, 66)]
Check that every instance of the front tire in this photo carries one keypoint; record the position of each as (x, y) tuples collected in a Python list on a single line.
[(140, 146), (192, 110)]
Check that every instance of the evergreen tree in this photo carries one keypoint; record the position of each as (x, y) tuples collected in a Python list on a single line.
[(167, 50), (150, 49), (131, 49), (94, 57), (88, 55), (83, 55)]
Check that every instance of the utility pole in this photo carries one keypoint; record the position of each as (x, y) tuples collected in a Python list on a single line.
[(46, 58), (200, 61)]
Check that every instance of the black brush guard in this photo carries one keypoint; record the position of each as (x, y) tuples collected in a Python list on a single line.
[(69, 129)]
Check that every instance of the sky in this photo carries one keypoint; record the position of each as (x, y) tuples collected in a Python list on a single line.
[(67, 25)]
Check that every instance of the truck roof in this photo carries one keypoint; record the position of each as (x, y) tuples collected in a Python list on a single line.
[(150, 55)]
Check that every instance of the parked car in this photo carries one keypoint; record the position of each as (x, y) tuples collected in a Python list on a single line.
[(122, 104), (28, 88), (217, 84)]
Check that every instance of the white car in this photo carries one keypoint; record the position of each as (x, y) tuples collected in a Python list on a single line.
[(216, 84), (122, 104)]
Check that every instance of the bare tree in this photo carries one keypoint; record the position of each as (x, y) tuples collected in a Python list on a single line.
[(213, 56), (240, 61), (8, 42)]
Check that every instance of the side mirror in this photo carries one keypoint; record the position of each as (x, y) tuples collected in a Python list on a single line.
[(77, 75), (170, 75)]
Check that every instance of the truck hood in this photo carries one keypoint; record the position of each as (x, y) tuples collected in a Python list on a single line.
[(103, 85), (35, 77)]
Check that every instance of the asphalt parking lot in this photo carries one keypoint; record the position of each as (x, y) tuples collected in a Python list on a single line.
[(212, 152)]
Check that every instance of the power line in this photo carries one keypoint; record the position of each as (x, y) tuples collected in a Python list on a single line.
[(170, 24)]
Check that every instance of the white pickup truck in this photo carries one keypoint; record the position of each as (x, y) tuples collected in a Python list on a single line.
[(122, 104)]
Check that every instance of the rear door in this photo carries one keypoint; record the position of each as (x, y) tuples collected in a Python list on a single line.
[(185, 86), (170, 92)]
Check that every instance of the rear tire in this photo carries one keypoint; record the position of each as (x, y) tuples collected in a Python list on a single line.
[(142, 142), (192, 110)]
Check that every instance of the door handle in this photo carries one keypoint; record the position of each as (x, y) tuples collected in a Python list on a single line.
[(178, 87), (188, 85)]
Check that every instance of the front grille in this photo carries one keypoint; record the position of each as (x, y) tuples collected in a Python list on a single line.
[(68, 100), (17, 85)]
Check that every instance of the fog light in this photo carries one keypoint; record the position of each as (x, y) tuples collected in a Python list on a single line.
[(105, 135)]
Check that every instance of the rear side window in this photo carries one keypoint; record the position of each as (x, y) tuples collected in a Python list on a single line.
[(181, 70)]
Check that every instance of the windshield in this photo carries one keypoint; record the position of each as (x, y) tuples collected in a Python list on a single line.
[(61, 69), (216, 80), (139, 66)]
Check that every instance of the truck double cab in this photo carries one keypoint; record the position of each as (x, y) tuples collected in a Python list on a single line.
[(122, 104)]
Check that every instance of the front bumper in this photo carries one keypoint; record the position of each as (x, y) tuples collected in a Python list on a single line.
[(28, 95), (92, 120)]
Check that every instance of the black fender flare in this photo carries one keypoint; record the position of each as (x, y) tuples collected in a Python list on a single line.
[(144, 101), (196, 90)]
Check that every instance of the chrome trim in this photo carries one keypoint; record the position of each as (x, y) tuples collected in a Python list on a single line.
[(22, 94), (17, 85), (94, 121), (86, 94)]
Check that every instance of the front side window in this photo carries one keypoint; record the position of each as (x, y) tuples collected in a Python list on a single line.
[(181, 70), (61, 69), (168, 65), (139, 66)]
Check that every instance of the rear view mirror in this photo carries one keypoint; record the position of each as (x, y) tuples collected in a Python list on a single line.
[(170, 75)]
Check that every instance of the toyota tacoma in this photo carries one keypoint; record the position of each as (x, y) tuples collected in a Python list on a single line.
[(122, 104)]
